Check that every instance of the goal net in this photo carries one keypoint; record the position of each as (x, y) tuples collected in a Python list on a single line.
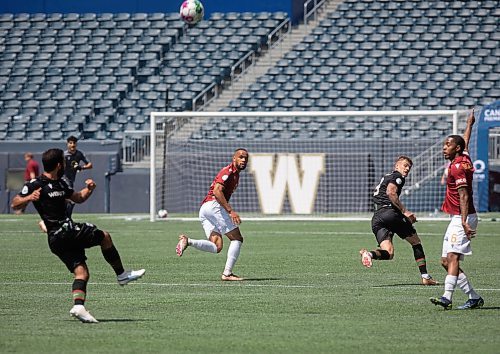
[(312, 164)]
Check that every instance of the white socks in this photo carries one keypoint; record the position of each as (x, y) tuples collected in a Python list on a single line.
[(232, 256), (203, 245), (449, 286), (466, 287)]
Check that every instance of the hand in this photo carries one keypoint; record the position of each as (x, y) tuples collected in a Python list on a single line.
[(90, 184), (235, 217), (410, 216), (76, 166), (469, 231), (471, 119), (33, 197)]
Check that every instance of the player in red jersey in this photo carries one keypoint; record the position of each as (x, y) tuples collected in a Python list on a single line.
[(218, 217), (462, 228)]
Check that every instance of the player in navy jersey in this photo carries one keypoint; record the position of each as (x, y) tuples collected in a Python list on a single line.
[(219, 218), (75, 161), (391, 217), (459, 204), (67, 239)]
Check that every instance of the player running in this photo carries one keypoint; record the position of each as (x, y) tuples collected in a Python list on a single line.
[(459, 204), (67, 239), (218, 217), (392, 217)]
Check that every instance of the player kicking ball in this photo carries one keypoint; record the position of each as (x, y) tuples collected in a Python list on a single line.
[(391, 217), (459, 204), (67, 239), (218, 217)]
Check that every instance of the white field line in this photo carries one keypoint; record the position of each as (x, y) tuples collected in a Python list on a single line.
[(242, 284)]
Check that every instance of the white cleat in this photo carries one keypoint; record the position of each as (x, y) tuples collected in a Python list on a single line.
[(130, 275), (79, 312), (366, 258), (181, 245)]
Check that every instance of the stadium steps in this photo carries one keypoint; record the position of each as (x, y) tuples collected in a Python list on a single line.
[(268, 60)]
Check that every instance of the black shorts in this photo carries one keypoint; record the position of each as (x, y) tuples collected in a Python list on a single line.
[(69, 244), (386, 222)]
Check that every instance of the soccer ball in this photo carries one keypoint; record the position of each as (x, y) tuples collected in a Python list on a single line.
[(162, 213), (191, 11)]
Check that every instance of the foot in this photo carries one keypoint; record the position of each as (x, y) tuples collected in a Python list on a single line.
[(429, 281), (472, 304), (441, 301), (366, 258), (231, 277), (79, 312), (130, 275), (181, 245)]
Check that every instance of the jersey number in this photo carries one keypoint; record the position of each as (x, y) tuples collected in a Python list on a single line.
[(377, 189)]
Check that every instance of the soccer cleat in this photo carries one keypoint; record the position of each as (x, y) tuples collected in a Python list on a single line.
[(472, 304), (79, 312), (130, 275), (442, 301), (231, 277), (429, 281), (366, 258), (181, 245)]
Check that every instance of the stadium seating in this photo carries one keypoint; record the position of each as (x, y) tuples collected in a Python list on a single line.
[(101, 74), (98, 75), (386, 55)]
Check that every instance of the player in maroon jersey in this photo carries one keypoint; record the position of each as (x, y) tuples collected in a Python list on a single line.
[(219, 218), (459, 204)]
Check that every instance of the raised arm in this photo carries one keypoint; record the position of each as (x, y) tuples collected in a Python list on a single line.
[(84, 194), (468, 129)]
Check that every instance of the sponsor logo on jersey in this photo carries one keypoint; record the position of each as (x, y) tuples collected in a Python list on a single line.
[(461, 181), (56, 194)]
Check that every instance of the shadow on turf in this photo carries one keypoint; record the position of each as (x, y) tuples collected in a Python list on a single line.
[(117, 320), (395, 285), (261, 279)]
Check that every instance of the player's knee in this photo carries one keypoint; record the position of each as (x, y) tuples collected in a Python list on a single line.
[(219, 248), (106, 240), (444, 262)]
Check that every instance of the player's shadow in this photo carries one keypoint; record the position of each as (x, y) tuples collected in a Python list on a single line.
[(488, 308), (261, 279), (396, 285), (117, 320)]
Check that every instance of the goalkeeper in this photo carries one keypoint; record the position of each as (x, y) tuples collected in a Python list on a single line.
[(391, 217)]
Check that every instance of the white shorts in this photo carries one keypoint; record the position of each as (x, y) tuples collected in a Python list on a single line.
[(455, 240), (215, 218)]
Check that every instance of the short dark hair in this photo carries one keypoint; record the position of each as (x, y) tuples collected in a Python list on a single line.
[(72, 138), (459, 141), (404, 157), (51, 158), (240, 149)]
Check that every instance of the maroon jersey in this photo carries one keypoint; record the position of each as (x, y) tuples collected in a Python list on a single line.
[(31, 166), (228, 177), (460, 173)]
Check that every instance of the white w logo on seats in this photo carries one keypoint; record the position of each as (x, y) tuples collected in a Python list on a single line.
[(302, 185)]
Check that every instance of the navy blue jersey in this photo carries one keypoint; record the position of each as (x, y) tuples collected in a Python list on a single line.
[(52, 203), (380, 197), (71, 162)]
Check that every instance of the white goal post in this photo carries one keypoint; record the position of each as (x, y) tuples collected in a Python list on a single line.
[(313, 164)]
